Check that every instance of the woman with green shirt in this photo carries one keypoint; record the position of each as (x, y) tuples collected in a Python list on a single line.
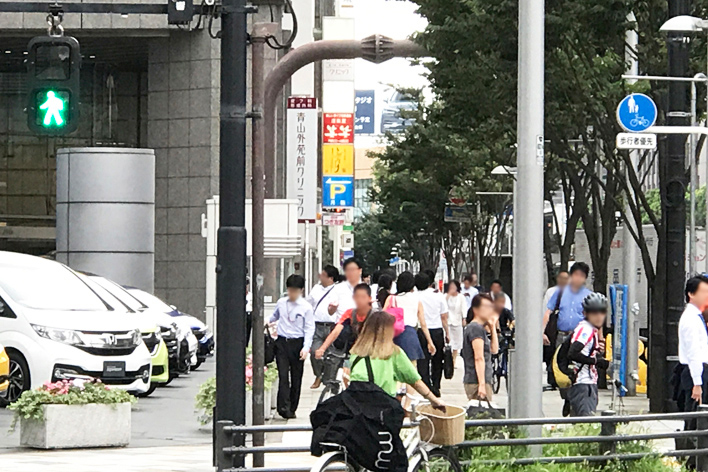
[(389, 364)]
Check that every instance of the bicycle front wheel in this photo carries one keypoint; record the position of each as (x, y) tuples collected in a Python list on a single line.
[(334, 462), (440, 460)]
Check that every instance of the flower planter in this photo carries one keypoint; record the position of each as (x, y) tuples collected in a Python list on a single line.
[(78, 426)]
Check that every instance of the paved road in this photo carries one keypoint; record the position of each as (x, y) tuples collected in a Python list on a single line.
[(166, 418)]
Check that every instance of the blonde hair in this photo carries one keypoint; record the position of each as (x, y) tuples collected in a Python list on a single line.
[(375, 338)]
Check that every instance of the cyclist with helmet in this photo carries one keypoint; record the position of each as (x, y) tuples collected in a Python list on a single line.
[(586, 353)]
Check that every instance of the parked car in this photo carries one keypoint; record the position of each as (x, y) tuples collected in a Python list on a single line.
[(54, 327), (4, 371), (151, 325), (183, 343), (201, 331)]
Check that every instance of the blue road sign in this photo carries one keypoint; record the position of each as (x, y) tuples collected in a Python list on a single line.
[(364, 112), (337, 192), (636, 112)]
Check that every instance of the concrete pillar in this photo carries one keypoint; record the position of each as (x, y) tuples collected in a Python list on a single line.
[(183, 128), (106, 213)]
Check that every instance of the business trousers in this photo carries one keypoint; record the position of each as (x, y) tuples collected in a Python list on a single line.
[(431, 368), (322, 330), (290, 368)]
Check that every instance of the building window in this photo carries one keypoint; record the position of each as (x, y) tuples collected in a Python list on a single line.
[(362, 205)]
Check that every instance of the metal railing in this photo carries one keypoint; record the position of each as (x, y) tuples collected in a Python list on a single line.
[(227, 434)]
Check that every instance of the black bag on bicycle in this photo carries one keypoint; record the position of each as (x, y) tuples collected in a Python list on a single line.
[(350, 331), (366, 421)]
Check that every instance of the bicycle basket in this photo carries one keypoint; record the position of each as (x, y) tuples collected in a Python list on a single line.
[(444, 428)]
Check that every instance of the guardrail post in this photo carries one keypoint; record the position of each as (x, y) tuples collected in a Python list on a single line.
[(223, 439), (608, 429), (702, 441)]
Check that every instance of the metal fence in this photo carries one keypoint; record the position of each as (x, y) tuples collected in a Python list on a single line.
[(227, 435)]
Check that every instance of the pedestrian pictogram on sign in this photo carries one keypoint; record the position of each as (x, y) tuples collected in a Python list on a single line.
[(53, 109)]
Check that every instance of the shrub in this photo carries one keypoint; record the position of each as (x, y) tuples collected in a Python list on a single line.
[(65, 392)]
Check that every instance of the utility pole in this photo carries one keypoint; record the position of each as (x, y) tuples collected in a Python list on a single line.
[(261, 31), (526, 375), (664, 331), (231, 244), (629, 251)]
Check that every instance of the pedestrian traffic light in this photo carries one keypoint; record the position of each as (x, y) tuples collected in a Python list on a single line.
[(53, 67)]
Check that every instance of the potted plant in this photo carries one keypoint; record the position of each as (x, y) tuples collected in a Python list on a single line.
[(206, 397), (73, 414)]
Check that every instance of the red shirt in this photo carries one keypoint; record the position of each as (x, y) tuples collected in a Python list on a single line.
[(360, 317)]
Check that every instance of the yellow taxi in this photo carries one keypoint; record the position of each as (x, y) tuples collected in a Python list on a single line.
[(4, 370)]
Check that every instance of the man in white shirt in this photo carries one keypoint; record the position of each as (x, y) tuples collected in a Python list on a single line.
[(469, 291), (319, 297), (693, 346), (495, 288), (561, 281), (436, 312), (342, 298)]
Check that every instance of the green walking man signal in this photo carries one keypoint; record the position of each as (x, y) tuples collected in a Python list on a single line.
[(53, 67), (53, 109)]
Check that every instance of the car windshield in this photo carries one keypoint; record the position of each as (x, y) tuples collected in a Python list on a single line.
[(48, 286), (106, 295), (152, 301), (120, 293)]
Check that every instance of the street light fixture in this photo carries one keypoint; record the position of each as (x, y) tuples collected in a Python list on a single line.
[(684, 24), (504, 170)]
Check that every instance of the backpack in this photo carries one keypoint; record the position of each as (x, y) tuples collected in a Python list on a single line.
[(366, 421), (564, 372), (350, 331)]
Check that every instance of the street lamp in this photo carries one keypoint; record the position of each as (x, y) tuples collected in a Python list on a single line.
[(684, 24), (504, 170), (691, 24)]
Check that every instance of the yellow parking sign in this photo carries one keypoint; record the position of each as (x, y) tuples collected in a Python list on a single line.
[(337, 159)]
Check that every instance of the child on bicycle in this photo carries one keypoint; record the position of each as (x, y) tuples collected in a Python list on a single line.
[(586, 352), (389, 364), (351, 320)]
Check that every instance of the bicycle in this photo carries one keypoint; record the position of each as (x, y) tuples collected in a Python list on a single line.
[(639, 121), (422, 456), (500, 361), (333, 382)]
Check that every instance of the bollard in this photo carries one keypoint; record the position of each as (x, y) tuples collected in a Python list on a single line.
[(702, 441), (222, 439), (608, 429)]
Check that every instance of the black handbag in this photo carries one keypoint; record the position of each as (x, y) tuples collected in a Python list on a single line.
[(366, 421), (347, 337), (483, 409), (268, 347), (448, 363)]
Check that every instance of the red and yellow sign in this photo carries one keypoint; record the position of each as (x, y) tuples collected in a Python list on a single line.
[(338, 128)]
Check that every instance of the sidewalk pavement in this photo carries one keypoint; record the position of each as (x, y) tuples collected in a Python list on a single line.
[(198, 458)]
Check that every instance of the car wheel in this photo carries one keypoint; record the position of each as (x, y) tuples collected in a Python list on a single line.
[(197, 365), (169, 380), (152, 388), (19, 379)]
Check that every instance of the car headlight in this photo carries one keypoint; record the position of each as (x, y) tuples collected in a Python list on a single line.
[(66, 336)]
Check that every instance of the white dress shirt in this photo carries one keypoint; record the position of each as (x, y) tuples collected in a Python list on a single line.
[(434, 305), (472, 292), (693, 342), (319, 297), (295, 320), (343, 293)]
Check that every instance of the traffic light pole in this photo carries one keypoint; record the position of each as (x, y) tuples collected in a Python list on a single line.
[(231, 237)]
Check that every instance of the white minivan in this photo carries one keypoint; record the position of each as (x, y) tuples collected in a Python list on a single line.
[(54, 327)]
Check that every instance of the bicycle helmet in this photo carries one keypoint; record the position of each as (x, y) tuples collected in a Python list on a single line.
[(595, 302)]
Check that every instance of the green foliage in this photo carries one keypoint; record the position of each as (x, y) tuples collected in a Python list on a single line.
[(651, 463), (654, 200), (65, 392), (205, 401)]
